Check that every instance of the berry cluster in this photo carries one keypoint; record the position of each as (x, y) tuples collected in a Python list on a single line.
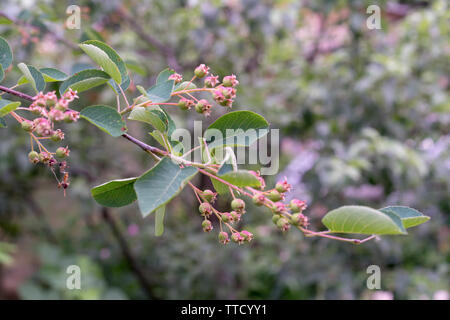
[(223, 94), (50, 110), (284, 215)]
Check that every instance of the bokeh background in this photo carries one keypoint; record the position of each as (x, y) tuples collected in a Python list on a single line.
[(364, 118)]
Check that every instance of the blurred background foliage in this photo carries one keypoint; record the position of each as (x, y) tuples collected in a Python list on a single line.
[(364, 118)]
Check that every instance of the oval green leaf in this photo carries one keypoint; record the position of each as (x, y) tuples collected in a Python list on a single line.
[(7, 106), (53, 75), (239, 178), (6, 55), (96, 50), (33, 75), (106, 118), (149, 115), (160, 184), (115, 193), (362, 220), (84, 80), (161, 92), (238, 128), (164, 75), (410, 217)]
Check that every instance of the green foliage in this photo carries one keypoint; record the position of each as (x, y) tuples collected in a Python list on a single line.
[(240, 178), (410, 217), (101, 54), (106, 118), (53, 75), (160, 184), (84, 80), (6, 55), (33, 76), (241, 122), (362, 220), (7, 106), (115, 193), (152, 115), (160, 92)]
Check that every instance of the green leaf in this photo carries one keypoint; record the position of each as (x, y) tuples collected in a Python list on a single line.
[(136, 67), (149, 115), (84, 80), (2, 73), (362, 220), (161, 92), (53, 75), (6, 56), (106, 118), (239, 178), (7, 106), (117, 61), (164, 75), (159, 185), (410, 217), (246, 128), (186, 85), (115, 193), (97, 50), (2, 123), (33, 75), (159, 221)]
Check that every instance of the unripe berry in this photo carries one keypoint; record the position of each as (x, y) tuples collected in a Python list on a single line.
[(248, 236), (223, 237), (27, 125), (199, 108), (258, 199), (238, 205), (45, 157), (235, 216), (237, 237), (33, 156), (283, 224), (226, 217), (278, 207), (297, 205), (62, 152), (201, 71), (207, 225), (57, 135), (205, 209), (275, 218), (208, 195), (280, 187), (182, 104), (299, 219), (274, 195)]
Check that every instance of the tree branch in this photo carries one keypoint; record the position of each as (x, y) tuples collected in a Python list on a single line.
[(128, 254)]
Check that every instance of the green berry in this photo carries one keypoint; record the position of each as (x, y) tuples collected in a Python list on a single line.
[(238, 204), (27, 125), (61, 153), (275, 218), (280, 187), (258, 199), (274, 195), (199, 107), (33, 156), (182, 104), (205, 209), (208, 195)]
